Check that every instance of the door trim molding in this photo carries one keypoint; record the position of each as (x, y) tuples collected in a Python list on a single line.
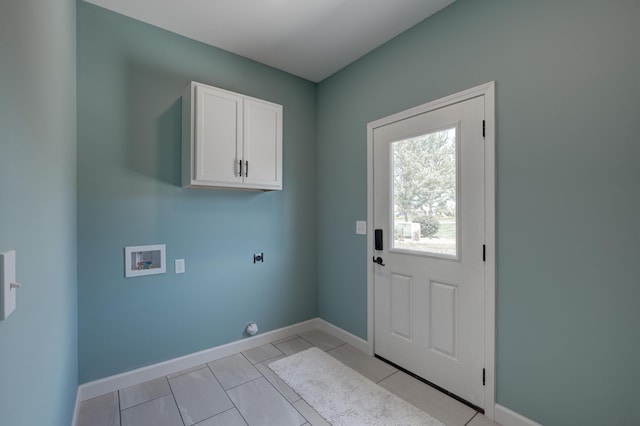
[(488, 91)]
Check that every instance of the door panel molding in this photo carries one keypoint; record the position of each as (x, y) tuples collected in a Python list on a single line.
[(401, 315), (443, 298), (487, 91)]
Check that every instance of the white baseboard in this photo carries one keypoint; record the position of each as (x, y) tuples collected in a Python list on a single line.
[(506, 417), (129, 378), (343, 335)]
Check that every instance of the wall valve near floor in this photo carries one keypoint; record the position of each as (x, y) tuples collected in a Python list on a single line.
[(252, 328)]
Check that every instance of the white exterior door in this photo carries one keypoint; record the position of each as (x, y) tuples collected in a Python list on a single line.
[(429, 279)]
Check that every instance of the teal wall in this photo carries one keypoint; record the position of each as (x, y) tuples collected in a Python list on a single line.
[(38, 342), (567, 203), (130, 79), (568, 102)]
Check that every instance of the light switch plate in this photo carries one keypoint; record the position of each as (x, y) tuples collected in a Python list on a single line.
[(179, 265), (7, 277), (361, 227)]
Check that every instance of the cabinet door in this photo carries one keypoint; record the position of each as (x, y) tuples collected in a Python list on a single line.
[(262, 144), (218, 137)]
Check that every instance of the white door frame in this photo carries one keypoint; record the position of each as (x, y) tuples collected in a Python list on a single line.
[(488, 91)]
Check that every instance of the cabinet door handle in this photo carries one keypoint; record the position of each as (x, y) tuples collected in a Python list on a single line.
[(246, 168), (240, 164)]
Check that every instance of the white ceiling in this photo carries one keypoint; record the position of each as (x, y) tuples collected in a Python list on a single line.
[(308, 38)]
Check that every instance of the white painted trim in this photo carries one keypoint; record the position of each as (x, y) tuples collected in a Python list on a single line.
[(76, 407), (488, 91), (343, 335), (490, 253), (506, 417), (370, 241), (129, 378)]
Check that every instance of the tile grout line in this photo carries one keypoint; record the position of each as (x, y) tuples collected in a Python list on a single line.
[(226, 391), (147, 400), (175, 401), (327, 351), (472, 417), (312, 345), (270, 343), (333, 349), (247, 382), (119, 407), (262, 376), (386, 377), (222, 412), (308, 421), (278, 390), (292, 404), (238, 410)]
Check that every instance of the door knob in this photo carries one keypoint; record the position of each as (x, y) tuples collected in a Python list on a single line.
[(378, 260)]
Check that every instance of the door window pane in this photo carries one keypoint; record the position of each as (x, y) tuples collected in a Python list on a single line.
[(425, 193)]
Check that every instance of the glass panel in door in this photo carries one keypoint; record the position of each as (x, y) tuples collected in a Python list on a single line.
[(425, 193)]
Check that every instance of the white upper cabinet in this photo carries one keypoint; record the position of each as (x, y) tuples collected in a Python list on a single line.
[(230, 140), (262, 148)]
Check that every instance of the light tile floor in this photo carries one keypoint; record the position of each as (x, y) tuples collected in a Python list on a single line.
[(242, 390)]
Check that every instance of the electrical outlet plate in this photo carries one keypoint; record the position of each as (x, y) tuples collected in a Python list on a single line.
[(361, 227), (7, 278)]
